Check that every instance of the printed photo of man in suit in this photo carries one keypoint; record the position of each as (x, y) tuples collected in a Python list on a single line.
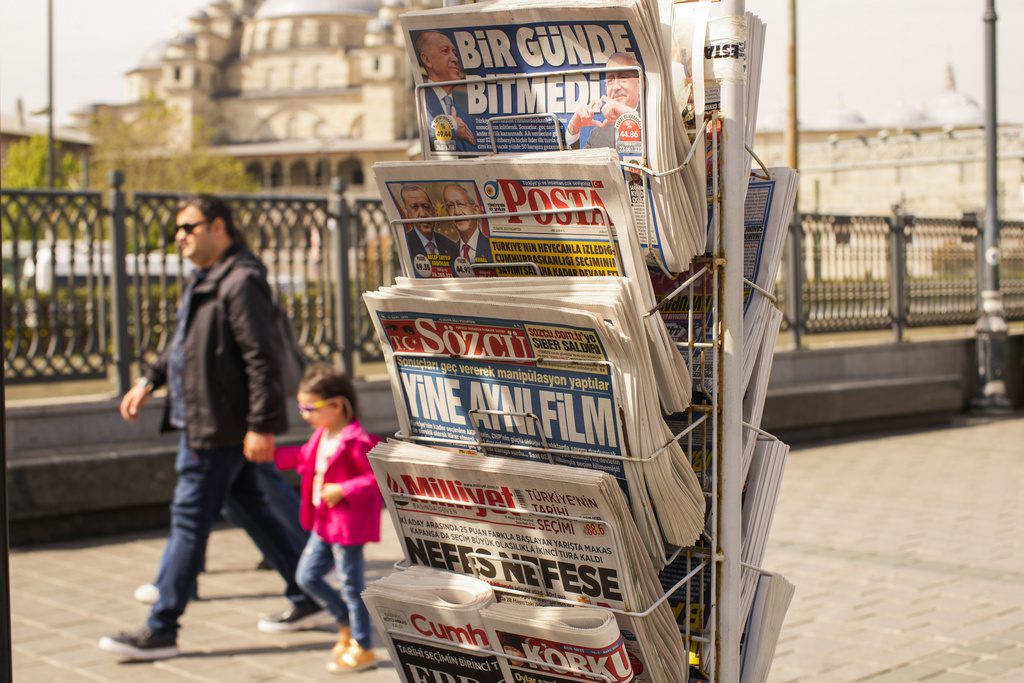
[(473, 244), (422, 238), (440, 62), (622, 95)]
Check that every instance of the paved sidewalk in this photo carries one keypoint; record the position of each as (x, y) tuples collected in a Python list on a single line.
[(907, 552)]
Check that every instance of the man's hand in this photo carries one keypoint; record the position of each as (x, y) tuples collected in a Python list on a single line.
[(332, 494), (584, 117), (612, 110), (133, 401), (258, 447), (462, 130)]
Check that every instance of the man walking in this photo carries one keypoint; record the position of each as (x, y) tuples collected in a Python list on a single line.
[(225, 395)]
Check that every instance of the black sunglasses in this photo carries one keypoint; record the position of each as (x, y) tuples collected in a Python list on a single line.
[(188, 227)]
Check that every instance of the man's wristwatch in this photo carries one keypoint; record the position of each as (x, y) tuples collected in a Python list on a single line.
[(144, 383)]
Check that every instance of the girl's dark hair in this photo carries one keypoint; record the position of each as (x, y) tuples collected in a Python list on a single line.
[(329, 382), (214, 207)]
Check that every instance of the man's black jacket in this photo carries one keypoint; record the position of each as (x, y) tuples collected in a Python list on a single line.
[(232, 379)]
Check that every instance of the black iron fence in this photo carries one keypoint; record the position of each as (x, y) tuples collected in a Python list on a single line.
[(92, 283), (892, 272)]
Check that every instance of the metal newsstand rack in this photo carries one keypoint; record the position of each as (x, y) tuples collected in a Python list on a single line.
[(720, 414)]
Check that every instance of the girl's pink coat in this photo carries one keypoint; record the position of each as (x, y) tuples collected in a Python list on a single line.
[(356, 519)]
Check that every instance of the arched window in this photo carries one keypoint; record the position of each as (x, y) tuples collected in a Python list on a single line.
[(255, 171), (276, 175), (269, 79), (324, 34), (351, 171), (298, 174), (291, 128)]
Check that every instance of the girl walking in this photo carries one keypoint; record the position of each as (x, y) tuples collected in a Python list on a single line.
[(341, 507)]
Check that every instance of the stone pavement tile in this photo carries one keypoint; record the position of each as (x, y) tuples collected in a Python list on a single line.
[(990, 666), (44, 672), (954, 677), (1013, 676), (951, 659), (991, 646), (903, 674)]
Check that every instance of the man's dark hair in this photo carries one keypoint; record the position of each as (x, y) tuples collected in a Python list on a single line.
[(214, 207), (326, 381)]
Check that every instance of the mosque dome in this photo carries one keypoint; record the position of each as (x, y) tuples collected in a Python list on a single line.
[(904, 115), (277, 9), (840, 118), (955, 108), (153, 57)]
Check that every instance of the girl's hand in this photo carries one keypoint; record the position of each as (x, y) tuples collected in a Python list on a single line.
[(332, 494)]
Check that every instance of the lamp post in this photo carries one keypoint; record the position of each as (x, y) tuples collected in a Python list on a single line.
[(990, 330)]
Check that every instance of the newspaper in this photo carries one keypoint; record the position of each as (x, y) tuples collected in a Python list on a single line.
[(530, 76), (431, 624), (586, 184), (760, 498), (517, 375), (774, 593), (536, 532), (688, 314), (558, 644), (757, 389), (705, 48)]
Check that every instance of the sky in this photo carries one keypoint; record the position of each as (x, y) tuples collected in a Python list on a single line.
[(864, 55)]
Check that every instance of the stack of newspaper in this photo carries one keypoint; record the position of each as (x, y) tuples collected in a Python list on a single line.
[(687, 310), (441, 626), (757, 388), (759, 500), (538, 75), (557, 213), (771, 601), (430, 621), (559, 644), (547, 369), (715, 41), (538, 533)]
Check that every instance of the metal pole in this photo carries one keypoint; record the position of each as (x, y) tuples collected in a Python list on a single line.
[(897, 271), (6, 648), (794, 245), (990, 330), (51, 160), (342, 242), (735, 172), (119, 293)]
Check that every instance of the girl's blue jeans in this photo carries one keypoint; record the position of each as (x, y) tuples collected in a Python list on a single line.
[(347, 607)]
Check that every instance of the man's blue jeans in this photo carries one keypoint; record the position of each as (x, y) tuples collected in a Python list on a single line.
[(207, 479), (348, 560), (283, 502)]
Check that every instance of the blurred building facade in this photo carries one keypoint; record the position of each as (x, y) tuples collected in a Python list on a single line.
[(298, 90), (929, 160)]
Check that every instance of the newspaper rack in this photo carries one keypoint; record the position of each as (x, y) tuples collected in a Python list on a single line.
[(720, 550), (556, 128)]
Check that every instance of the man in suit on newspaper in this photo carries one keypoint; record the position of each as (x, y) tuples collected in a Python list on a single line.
[(422, 238), (473, 245), (622, 95), (440, 62)]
